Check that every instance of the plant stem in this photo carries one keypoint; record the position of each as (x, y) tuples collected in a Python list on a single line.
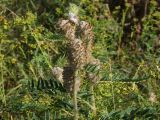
[(93, 99), (75, 101), (110, 76)]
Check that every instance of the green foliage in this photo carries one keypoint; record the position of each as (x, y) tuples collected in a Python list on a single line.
[(147, 113), (73, 9), (31, 45)]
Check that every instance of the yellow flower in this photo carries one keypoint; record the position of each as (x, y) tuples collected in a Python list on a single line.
[(26, 99), (13, 60)]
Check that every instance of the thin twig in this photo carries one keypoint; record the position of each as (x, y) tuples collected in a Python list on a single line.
[(13, 13), (145, 7)]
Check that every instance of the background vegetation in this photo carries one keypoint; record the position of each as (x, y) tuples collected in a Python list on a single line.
[(126, 41)]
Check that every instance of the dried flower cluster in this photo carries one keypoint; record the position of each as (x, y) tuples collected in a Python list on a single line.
[(79, 51)]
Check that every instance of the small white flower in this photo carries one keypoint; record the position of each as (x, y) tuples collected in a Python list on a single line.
[(73, 18)]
